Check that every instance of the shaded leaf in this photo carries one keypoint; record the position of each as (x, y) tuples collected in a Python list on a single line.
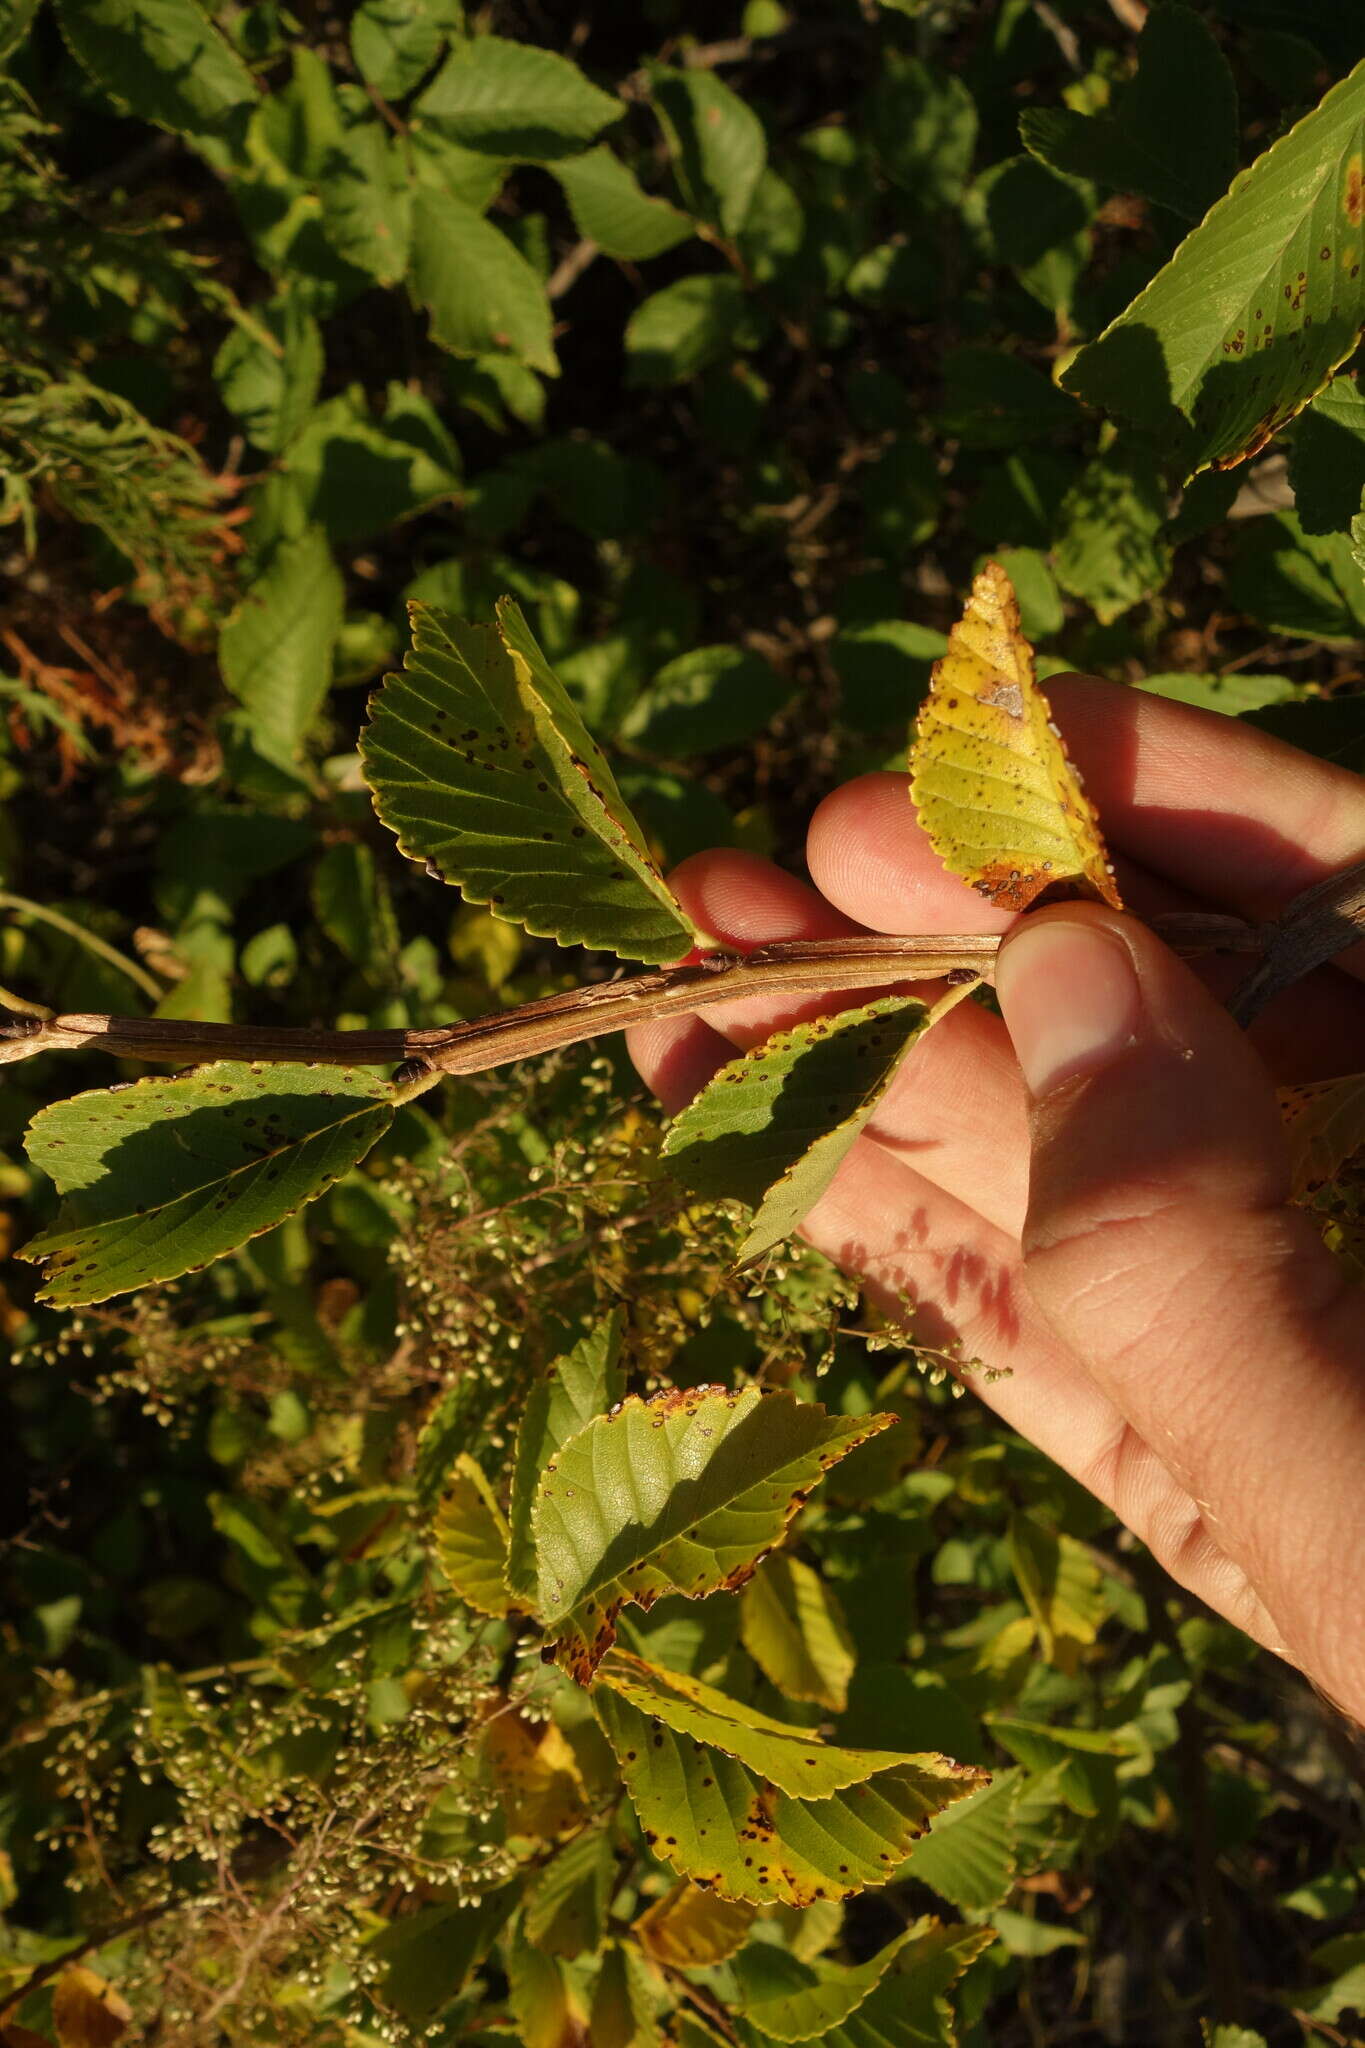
[(515, 100), (990, 778), (794, 1629), (716, 142), (995, 400), (165, 60), (910, 2008), (610, 208), (969, 1854), (709, 698), (271, 391), (483, 296), (717, 1788), (1170, 135), (783, 1999), (1258, 305), (481, 765), (1109, 548), (1310, 585), (773, 1127), (430, 1953), (690, 323), (585, 1382), (366, 192), (1329, 728), (545, 1999), (87, 2012), (565, 1903), (682, 1493), (470, 1539), (623, 2001), (353, 475), (161, 1177), (275, 651), (1327, 458), (1325, 1124), (922, 122), (689, 1928)]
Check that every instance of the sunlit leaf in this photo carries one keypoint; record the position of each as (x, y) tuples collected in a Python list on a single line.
[(689, 1928), (794, 1629), (511, 99), (773, 1127), (164, 1176), (1258, 305), (484, 769), (536, 1772), (470, 1538), (682, 1493), (165, 60), (1062, 1588), (718, 1788), (585, 1382), (609, 208), (1000, 802)]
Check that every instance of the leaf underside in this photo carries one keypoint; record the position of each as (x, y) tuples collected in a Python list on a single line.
[(998, 798), (470, 1537), (163, 1177), (480, 764), (773, 1127)]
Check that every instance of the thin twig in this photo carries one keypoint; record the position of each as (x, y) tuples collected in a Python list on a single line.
[(571, 267), (21, 906), (802, 966)]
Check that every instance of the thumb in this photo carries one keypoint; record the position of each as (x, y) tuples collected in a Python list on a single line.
[(1161, 1247)]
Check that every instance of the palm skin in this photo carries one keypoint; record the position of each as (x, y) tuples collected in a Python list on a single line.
[(1114, 1229)]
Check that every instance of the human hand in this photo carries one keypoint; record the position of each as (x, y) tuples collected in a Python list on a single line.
[(1093, 1193)]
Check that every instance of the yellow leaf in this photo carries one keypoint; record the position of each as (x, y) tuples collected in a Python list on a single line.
[(470, 1534), (87, 2012), (688, 1927), (794, 1630), (1325, 1124), (1001, 803), (537, 1775)]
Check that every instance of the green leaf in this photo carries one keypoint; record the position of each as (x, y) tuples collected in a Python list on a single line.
[(584, 1383), (996, 400), (1171, 135), (514, 100), (352, 906), (909, 2008), (623, 2001), (352, 475), (1329, 728), (783, 1999), (1062, 1588), (753, 1808), (275, 650), (16, 19), (542, 1994), (773, 1127), (794, 1629), (483, 296), (682, 1493), (923, 124), (161, 1177), (396, 42), (609, 208), (271, 389), (1109, 546), (1325, 1126), (565, 1905), (690, 323), (1038, 223), (710, 698), (716, 142), (1256, 308), (366, 192), (164, 60), (1327, 458), (1309, 585), (969, 1854), (431, 1953), (1234, 693), (883, 669), (480, 764), (470, 1538)]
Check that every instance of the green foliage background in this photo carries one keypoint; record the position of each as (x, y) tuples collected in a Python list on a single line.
[(729, 340)]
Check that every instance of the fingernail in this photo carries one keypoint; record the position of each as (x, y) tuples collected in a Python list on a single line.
[(1070, 999)]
